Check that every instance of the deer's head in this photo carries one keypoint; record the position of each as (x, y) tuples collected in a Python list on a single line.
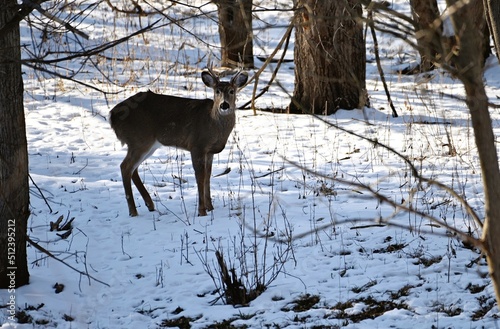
[(224, 92)]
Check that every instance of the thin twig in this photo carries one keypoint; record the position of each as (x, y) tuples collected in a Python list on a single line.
[(285, 38), (54, 18), (269, 173), (177, 23), (414, 170), (48, 253), (379, 66), (18, 17), (41, 194), (96, 50), (59, 75)]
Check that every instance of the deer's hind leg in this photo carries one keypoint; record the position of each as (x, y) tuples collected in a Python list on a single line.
[(134, 157), (144, 193)]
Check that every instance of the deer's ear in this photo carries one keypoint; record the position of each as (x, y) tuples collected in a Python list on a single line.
[(209, 79), (240, 79)]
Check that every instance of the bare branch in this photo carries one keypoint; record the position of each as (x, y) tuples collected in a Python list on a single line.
[(54, 18), (96, 50), (285, 39), (24, 11), (379, 66), (414, 170), (56, 74), (177, 23), (398, 207), (48, 253)]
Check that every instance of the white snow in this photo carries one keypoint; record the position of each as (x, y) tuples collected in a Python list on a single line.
[(316, 236)]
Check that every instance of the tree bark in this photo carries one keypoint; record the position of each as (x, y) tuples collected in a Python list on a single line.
[(470, 72), (235, 30), (492, 12), (475, 13), (14, 188), (428, 31), (330, 58)]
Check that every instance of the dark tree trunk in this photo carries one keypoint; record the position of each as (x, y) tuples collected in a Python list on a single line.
[(469, 70), (476, 13), (492, 13), (428, 32), (330, 60), (235, 29), (14, 188)]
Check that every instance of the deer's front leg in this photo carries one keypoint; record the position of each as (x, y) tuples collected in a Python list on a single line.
[(208, 175), (199, 160)]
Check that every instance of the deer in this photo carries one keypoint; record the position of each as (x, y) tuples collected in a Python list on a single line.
[(147, 121)]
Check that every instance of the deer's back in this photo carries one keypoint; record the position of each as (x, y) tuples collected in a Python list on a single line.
[(175, 121)]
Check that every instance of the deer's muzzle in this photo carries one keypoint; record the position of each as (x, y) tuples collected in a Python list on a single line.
[(224, 106)]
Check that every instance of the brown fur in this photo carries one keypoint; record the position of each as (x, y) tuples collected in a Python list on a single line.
[(200, 126)]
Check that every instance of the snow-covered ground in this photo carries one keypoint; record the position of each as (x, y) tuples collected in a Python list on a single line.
[(313, 241)]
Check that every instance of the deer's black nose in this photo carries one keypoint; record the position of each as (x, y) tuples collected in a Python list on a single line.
[(224, 106)]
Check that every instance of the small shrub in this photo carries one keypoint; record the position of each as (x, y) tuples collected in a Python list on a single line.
[(182, 323), (303, 303), (428, 261)]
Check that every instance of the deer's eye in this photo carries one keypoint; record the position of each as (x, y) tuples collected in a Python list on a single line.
[(218, 91), (231, 91)]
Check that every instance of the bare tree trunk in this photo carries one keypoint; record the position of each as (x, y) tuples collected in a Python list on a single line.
[(330, 57), (432, 45), (14, 188), (492, 12), (235, 29), (469, 69), (428, 32), (474, 12)]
